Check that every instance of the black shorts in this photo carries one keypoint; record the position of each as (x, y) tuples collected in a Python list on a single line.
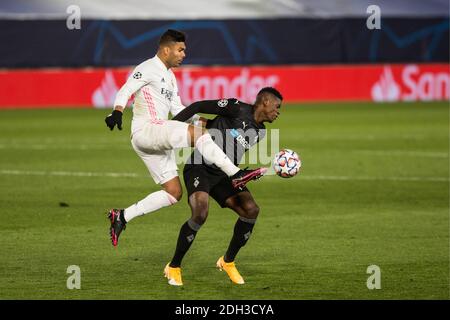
[(199, 177)]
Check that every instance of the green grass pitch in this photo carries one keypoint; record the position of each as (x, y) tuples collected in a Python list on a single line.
[(374, 190)]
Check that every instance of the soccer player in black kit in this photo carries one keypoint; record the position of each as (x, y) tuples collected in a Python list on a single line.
[(236, 128)]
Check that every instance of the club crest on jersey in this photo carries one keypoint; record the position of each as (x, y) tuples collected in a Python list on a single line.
[(137, 75), (222, 103), (196, 182)]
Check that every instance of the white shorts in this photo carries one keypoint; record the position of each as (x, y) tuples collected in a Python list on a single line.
[(154, 144)]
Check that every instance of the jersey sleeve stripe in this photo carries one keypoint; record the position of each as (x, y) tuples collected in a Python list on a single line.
[(151, 106)]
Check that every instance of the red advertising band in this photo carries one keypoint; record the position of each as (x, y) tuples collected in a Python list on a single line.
[(87, 87)]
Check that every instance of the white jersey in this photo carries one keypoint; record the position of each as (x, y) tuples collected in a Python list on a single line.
[(155, 93)]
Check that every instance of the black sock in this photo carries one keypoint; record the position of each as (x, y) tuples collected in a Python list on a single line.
[(242, 231), (122, 217), (185, 239)]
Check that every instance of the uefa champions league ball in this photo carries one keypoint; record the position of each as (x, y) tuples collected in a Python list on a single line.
[(287, 163)]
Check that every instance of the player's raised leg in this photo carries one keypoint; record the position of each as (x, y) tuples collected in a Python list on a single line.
[(204, 143), (247, 209), (169, 135)]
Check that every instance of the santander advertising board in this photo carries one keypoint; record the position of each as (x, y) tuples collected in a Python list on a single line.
[(242, 85), (411, 83), (87, 87)]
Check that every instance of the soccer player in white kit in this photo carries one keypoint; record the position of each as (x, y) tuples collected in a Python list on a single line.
[(154, 137)]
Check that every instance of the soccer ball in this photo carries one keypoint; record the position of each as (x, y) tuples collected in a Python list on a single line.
[(286, 163)]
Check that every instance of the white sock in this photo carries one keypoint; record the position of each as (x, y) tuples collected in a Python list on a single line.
[(212, 153), (152, 202)]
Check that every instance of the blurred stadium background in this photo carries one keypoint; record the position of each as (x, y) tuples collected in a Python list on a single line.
[(367, 109)]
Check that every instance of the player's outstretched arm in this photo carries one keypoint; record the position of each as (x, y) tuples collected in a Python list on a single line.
[(224, 107), (139, 78)]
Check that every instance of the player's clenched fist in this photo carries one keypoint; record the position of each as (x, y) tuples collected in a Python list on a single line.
[(114, 118)]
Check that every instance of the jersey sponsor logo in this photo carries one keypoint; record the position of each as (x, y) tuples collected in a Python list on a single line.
[(162, 80), (222, 103), (239, 138), (234, 133), (137, 75), (244, 125), (167, 94)]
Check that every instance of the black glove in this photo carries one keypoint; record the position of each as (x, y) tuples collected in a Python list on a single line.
[(114, 118)]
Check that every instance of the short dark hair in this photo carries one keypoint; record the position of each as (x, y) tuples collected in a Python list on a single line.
[(271, 90), (172, 36)]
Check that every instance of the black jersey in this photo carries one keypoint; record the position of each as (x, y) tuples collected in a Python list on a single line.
[(234, 129)]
